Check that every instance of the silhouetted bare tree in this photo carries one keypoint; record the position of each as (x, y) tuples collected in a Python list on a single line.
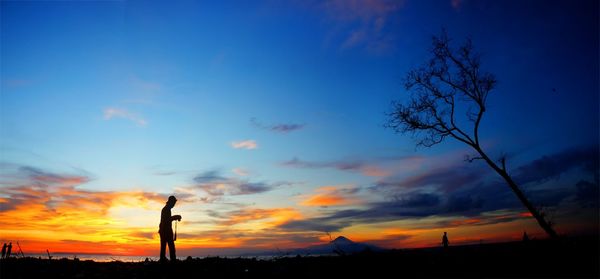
[(448, 99)]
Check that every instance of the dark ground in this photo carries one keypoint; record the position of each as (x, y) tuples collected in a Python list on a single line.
[(568, 258)]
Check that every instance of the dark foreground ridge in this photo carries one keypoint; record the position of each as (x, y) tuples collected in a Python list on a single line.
[(535, 259)]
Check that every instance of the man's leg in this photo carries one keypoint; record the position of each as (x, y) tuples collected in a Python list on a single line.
[(171, 249), (163, 246)]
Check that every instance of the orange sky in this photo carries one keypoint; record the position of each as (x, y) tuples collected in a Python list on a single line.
[(62, 218)]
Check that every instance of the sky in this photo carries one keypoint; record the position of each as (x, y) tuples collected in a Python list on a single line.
[(266, 120)]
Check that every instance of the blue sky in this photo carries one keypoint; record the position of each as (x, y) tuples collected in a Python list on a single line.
[(150, 96)]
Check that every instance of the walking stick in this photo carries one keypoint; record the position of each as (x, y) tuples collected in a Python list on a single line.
[(175, 237)]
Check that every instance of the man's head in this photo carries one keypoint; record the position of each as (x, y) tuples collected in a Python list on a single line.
[(171, 201)]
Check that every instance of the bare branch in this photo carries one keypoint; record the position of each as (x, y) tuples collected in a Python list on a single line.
[(471, 158)]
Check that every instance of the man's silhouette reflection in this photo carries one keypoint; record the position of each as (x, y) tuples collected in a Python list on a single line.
[(166, 230)]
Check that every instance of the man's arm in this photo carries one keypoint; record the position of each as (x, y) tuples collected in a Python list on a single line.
[(176, 217)]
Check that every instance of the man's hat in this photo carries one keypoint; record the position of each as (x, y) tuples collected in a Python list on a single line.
[(172, 198)]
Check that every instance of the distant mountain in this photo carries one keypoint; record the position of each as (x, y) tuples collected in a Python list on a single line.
[(341, 246), (342, 240)]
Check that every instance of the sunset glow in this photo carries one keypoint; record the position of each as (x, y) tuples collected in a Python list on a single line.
[(266, 120)]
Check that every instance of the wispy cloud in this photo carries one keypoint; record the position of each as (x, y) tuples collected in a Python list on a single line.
[(46, 201), (240, 171), (456, 4), (410, 206), (470, 195), (283, 128), (43, 177), (552, 166), (365, 22), (110, 113), (443, 178), (332, 196), (244, 144), (30, 185), (235, 189), (271, 216), (366, 167), (215, 184)]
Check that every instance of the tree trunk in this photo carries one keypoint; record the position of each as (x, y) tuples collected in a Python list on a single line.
[(515, 188)]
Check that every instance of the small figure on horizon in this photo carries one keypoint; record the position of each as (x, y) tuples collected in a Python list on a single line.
[(166, 230), (445, 240), (525, 236), (9, 249), (4, 250)]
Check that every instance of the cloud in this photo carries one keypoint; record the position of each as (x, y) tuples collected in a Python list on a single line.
[(214, 184), (244, 144), (463, 203), (110, 113), (367, 168), (444, 178), (552, 166), (456, 4), (220, 189), (471, 191), (315, 225), (375, 213), (40, 176), (283, 128), (364, 22), (209, 176), (144, 235), (30, 184), (488, 218), (392, 239), (412, 206), (420, 200), (261, 240), (33, 200), (269, 217), (331, 196), (240, 171)]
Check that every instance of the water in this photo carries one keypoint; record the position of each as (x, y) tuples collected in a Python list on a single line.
[(112, 258), (96, 258)]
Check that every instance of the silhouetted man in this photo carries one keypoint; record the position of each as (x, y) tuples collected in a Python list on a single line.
[(4, 250), (525, 236), (445, 240), (166, 230), (9, 249)]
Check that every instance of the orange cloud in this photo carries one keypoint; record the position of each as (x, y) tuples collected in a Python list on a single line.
[(374, 171), (48, 211), (331, 196), (272, 217)]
